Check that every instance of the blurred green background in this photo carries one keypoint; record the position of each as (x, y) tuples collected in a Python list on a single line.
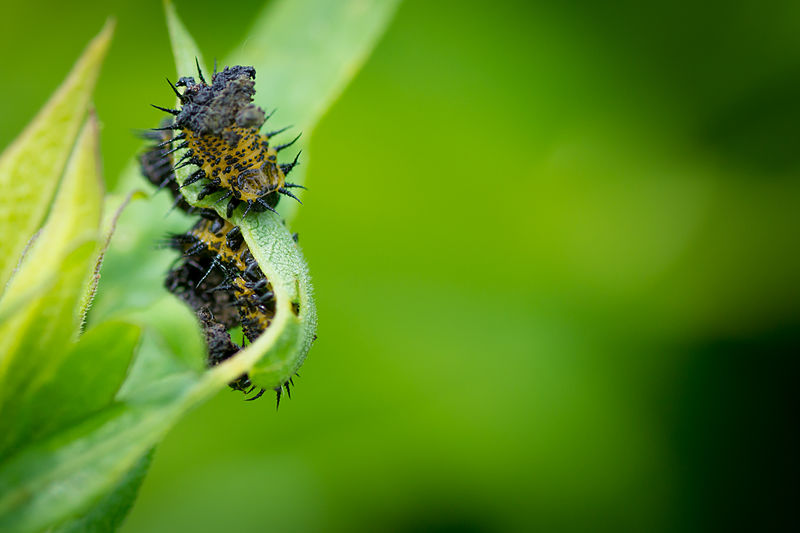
[(554, 246)]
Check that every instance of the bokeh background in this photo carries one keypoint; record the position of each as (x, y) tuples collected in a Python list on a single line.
[(554, 246)]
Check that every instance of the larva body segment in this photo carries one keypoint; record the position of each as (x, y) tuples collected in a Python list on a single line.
[(217, 129), (218, 273)]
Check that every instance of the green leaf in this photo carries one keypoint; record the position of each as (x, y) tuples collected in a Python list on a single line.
[(140, 227), (296, 314), (31, 167), (305, 53), (36, 338), (184, 48), (96, 366), (9, 306), (113, 205), (74, 216), (68, 473), (109, 512), (63, 476), (165, 317)]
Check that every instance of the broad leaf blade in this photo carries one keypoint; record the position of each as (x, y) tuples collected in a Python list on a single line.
[(74, 216), (62, 477), (110, 511), (96, 366), (65, 475), (173, 353), (113, 206), (84, 382), (184, 48), (31, 167), (306, 52), (141, 226), (37, 338)]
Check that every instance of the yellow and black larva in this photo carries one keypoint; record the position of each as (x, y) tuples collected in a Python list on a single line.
[(217, 275), (218, 126), (219, 278)]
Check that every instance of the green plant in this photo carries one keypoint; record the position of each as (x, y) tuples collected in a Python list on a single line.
[(86, 394)]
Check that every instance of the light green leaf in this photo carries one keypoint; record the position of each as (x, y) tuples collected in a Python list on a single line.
[(141, 226), (184, 48), (283, 264), (96, 367), (109, 512), (306, 52), (31, 167), (114, 205), (35, 340), (165, 317), (74, 216), (9, 306), (63, 476)]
